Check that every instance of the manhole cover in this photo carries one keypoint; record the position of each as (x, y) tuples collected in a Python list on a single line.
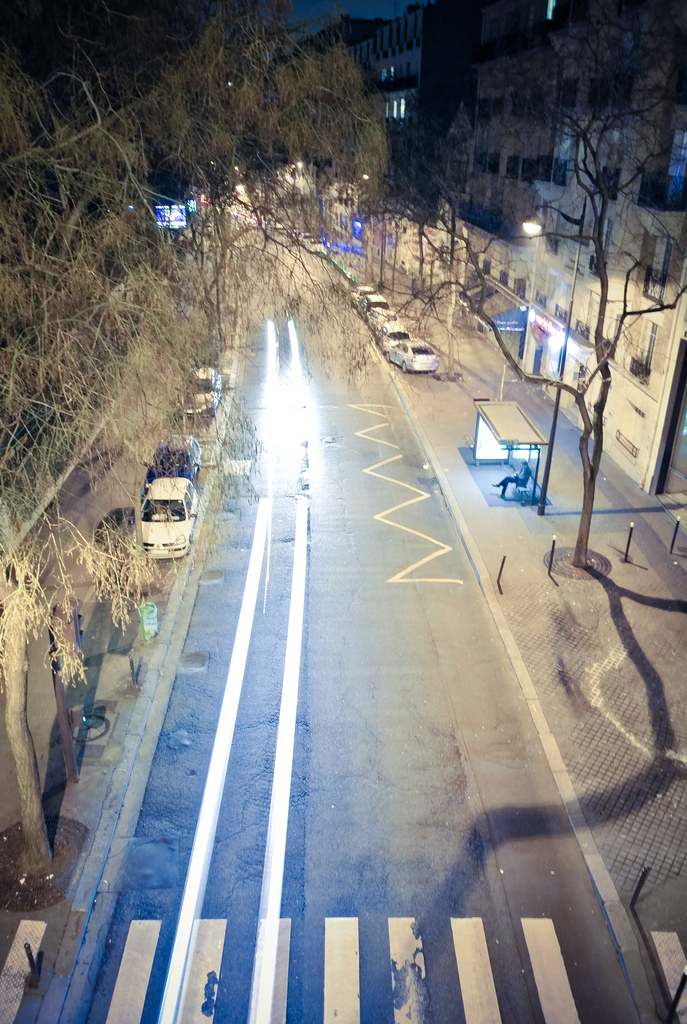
[(21, 892), (192, 662), (212, 576), (562, 564)]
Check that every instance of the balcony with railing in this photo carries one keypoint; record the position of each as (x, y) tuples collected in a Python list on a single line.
[(640, 369), (561, 314), (654, 285), (406, 82), (663, 192)]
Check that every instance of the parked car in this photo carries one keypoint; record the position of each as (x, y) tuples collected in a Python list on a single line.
[(358, 295), (415, 356), (168, 516), (180, 456), (373, 302), (392, 338), (207, 392), (379, 317), (115, 531)]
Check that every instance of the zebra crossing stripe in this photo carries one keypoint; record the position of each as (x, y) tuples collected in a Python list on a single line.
[(408, 976), (672, 958), (281, 972), (341, 971), (130, 989), (557, 1003), (474, 971), (203, 979), (16, 969)]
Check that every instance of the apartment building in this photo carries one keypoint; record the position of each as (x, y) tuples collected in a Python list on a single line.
[(420, 62), (581, 108)]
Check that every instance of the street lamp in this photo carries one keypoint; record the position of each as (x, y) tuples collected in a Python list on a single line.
[(532, 228), (579, 222)]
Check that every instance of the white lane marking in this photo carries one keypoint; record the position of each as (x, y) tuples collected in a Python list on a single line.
[(557, 1003), (672, 958), (196, 877), (16, 968), (341, 971), (295, 354), (273, 876), (203, 982), (408, 977), (474, 971), (131, 986)]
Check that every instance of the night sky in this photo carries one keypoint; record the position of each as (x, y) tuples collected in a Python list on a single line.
[(356, 8)]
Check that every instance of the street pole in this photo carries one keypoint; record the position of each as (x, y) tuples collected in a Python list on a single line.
[(531, 305), (541, 508), (70, 764)]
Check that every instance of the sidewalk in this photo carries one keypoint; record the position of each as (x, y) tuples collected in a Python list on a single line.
[(108, 742), (605, 655)]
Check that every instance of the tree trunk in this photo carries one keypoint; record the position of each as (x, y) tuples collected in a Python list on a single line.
[(35, 848), (590, 466)]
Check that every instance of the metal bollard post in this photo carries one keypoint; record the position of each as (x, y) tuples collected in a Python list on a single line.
[(553, 548), (677, 527), (498, 578), (639, 886), (132, 670), (629, 540), (35, 973), (677, 997)]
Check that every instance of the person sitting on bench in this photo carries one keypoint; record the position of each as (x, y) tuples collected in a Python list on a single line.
[(521, 480)]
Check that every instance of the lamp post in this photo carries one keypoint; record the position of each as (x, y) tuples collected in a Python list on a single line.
[(533, 229), (541, 508)]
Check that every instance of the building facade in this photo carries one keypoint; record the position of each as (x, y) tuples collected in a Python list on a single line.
[(581, 110)]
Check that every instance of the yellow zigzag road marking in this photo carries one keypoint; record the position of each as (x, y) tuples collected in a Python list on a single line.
[(420, 495)]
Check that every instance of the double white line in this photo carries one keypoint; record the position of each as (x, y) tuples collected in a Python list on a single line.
[(176, 983)]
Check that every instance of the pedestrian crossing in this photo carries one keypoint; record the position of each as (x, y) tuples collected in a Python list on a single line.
[(407, 977)]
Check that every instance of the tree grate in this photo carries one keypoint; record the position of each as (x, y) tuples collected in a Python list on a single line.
[(597, 564), (22, 892)]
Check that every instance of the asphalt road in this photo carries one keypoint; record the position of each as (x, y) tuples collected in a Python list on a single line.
[(426, 849)]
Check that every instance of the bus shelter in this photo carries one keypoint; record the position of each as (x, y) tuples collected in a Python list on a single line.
[(504, 434)]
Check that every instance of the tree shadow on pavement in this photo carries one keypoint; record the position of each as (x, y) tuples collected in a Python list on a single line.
[(663, 732)]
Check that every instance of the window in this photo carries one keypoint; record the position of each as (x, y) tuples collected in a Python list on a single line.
[(486, 266), (651, 345), (493, 161), (599, 93), (610, 177), (528, 169), (384, 74), (395, 108), (387, 110), (481, 160), (391, 72), (403, 107), (550, 8), (544, 167), (567, 92), (513, 167), (484, 108)]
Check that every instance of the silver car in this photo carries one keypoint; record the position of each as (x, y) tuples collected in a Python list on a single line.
[(414, 356), (391, 336)]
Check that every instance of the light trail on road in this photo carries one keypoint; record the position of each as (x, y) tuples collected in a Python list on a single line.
[(196, 877), (262, 990)]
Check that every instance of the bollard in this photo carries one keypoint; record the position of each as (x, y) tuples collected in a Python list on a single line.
[(639, 886), (35, 973), (629, 541), (498, 578), (132, 670), (677, 527), (677, 997), (553, 548)]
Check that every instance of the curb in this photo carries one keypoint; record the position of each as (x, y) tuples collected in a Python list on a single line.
[(615, 915), (67, 995)]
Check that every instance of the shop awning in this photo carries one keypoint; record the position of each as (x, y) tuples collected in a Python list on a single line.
[(512, 319), (509, 424)]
